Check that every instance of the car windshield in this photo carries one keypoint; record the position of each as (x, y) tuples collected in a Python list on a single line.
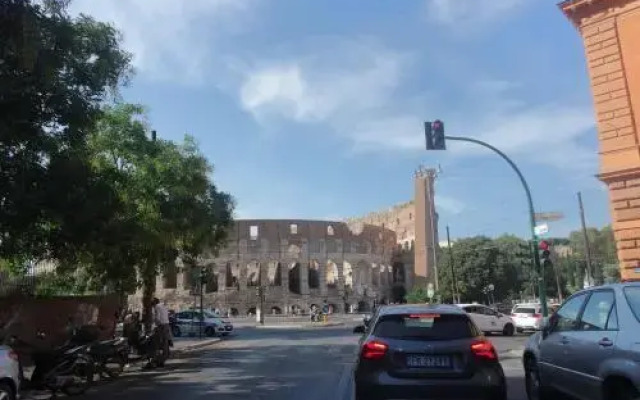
[(632, 294), (524, 310), (424, 327)]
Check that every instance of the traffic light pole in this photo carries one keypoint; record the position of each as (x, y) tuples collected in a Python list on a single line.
[(532, 218)]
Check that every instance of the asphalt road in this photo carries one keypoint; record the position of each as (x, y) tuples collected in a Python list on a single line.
[(283, 364)]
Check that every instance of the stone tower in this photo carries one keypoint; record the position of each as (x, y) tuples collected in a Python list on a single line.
[(611, 34), (426, 225)]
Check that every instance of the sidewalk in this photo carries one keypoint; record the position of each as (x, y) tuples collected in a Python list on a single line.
[(299, 325)]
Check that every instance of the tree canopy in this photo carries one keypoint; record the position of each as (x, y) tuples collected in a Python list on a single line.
[(82, 181)]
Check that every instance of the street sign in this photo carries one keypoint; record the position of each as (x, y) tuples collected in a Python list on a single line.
[(541, 229), (548, 216), (430, 291)]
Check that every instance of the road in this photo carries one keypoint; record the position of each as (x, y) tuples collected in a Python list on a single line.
[(279, 364)]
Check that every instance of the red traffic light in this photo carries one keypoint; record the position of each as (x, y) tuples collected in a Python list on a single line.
[(543, 245), (437, 124)]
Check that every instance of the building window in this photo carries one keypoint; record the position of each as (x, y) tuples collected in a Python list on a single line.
[(330, 230), (293, 228), (253, 232), (410, 216)]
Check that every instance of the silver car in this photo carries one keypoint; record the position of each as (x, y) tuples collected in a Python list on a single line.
[(9, 373), (590, 348)]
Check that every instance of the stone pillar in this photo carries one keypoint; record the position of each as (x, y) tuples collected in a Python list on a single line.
[(222, 278), (611, 34), (304, 278), (322, 270)]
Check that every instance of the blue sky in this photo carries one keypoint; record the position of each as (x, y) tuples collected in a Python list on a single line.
[(314, 109)]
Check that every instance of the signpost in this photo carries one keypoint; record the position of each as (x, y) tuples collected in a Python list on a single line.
[(548, 216), (541, 229)]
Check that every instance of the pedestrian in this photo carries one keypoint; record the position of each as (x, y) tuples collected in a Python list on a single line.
[(163, 331)]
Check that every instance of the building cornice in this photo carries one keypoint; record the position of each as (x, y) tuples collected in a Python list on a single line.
[(579, 10)]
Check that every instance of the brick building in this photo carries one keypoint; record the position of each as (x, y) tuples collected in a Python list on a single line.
[(611, 33)]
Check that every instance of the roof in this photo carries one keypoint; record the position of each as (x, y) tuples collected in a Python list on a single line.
[(470, 304), (420, 308)]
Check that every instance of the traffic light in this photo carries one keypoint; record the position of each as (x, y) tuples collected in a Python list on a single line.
[(545, 253), (438, 135), (434, 134)]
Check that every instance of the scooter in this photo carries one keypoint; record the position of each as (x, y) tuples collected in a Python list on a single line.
[(67, 369), (109, 356)]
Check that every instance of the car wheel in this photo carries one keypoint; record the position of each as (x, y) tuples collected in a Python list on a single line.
[(361, 394), (508, 330), (176, 331), (6, 392), (210, 332), (625, 391), (534, 387)]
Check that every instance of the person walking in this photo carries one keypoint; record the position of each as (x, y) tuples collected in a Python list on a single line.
[(163, 331)]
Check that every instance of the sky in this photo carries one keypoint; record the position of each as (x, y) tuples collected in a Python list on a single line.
[(315, 109)]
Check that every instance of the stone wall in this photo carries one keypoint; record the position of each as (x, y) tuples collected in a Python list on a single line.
[(298, 262)]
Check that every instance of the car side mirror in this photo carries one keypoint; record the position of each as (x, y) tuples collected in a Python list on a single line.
[(360, 329)]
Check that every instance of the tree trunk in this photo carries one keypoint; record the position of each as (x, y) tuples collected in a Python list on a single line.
[(148, 290)]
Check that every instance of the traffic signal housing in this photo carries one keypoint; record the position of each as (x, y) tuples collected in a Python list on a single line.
[(434, 133)]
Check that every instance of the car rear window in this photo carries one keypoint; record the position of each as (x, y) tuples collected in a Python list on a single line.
[(633, 298), (524, 310), (424, 327)]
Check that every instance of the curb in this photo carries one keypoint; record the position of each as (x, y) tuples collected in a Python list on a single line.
[(197, 345)]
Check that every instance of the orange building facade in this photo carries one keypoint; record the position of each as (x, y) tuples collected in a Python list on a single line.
[(611, 33)]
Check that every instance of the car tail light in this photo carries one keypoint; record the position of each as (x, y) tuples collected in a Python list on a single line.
[(374, 350), (537, 316), (484, 349), (513, 315)]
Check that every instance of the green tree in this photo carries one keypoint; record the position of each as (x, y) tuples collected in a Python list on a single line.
[(169, 206), (55, 73)]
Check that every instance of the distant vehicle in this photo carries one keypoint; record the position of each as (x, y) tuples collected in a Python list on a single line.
[(10, 376), (489, 320), (590, 348), (426, 352), (527, 316), (187, 323)]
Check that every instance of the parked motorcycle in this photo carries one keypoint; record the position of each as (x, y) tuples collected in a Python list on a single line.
[(67, 369), (109, 356)]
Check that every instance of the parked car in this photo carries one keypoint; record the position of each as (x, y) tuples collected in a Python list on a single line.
[(489, 320), (10, 373), (590, 348), (425, 351), (188, 323)]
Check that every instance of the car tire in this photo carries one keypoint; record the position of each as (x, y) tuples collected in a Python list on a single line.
[(508, 330), (176, 331), (7, 392), (624, 390), (534, 387), (209, 331), (361, 394)]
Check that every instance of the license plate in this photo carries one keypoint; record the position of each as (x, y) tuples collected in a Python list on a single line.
[(429, 362)]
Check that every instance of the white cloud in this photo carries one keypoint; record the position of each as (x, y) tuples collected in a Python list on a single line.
[(449, 205), (171, 40), (361, 103), (345, 84), (471, 14)]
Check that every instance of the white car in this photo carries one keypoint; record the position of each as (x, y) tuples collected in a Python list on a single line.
[(9, 373), (488, 320), (527, 316)]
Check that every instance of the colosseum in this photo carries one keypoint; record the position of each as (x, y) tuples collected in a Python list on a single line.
[(351, 264)]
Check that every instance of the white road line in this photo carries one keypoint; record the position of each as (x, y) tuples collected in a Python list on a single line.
[(344, 390)]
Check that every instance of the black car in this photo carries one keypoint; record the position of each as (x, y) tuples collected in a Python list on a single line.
[(426, 352)]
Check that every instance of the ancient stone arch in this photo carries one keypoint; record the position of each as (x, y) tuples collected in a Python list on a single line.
[(331, 274), (274, 274), (294, 278), (253, 274), (314, 275)]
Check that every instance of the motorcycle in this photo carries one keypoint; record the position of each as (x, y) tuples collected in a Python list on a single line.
[(109, 356), (67, 368)]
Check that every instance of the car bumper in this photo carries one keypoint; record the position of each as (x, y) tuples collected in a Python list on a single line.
[(488, 384), (528, 326)]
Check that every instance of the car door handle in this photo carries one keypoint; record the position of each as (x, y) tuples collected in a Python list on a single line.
[(605, 342)]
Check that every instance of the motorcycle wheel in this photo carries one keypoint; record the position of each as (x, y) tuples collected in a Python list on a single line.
[(6, 392), (83, 379), (117, 366)]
